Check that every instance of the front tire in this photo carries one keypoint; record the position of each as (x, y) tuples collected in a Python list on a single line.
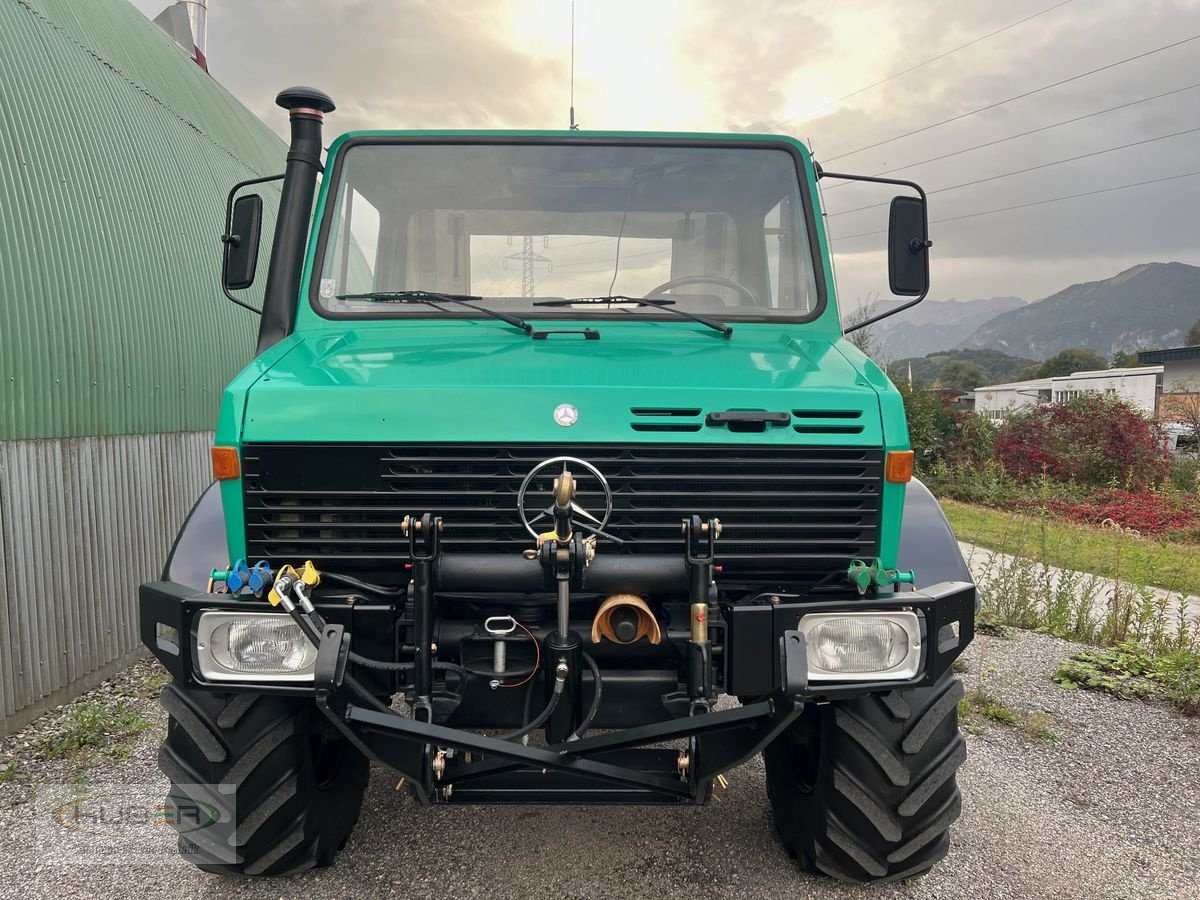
[(284, 787), (864, 790)]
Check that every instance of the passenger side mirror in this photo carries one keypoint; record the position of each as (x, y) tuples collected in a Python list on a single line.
[(241, 243), (908, 247)]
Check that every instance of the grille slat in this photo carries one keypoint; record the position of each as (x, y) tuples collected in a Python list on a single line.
[(790, 514)]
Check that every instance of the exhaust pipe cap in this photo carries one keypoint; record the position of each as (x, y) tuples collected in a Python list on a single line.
[(302, 97)]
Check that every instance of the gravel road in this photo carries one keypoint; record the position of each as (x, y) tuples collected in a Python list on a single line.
[(1111, 810)]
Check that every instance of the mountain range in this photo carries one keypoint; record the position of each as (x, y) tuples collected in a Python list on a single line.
[(938, 325), (1148, 306)]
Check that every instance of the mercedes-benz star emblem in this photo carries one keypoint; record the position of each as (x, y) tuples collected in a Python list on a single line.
[(566, 415), (540, 481)]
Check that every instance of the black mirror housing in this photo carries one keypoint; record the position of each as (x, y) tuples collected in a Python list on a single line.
[(908, 247), (241, 243)]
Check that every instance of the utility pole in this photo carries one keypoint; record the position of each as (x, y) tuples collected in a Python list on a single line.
[(528, 260)]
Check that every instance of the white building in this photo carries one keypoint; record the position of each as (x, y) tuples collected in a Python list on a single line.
[(996, 401), (1181, 368), (1139, 387)]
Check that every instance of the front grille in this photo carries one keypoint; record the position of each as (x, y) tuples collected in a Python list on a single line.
[(790, 514)]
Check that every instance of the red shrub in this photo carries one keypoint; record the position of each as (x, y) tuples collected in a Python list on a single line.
[(1091, 440), (1148, 513)]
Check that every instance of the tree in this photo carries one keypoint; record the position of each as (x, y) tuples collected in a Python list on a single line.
[(930, 423), (959, 375), (863, 338), (1193, 336), (1073, 359), (1123, 360)]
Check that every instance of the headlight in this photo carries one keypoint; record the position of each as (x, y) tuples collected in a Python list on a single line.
[(862, 646), (236, 646)]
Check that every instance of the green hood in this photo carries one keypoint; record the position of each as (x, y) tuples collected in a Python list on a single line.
[(480, 381)]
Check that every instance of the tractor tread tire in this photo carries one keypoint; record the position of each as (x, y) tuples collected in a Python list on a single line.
[(272, 811), (863, 790)]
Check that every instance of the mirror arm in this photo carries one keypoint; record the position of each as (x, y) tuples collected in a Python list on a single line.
[(916, 246), (233, 239)]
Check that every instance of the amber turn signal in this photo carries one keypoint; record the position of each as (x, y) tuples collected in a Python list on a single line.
[(225, 463), (899, 467)]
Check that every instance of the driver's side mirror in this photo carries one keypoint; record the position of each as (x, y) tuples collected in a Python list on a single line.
[(241, 243), (908, 247)]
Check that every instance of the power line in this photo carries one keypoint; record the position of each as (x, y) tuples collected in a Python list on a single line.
[(990, 212), (1013, 137), (1057, 162), (1020, 96), (919, 65)]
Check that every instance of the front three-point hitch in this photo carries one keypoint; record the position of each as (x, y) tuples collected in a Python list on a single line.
[(443, 763)]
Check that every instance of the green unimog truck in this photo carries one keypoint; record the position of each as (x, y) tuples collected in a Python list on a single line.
[(555, 480)]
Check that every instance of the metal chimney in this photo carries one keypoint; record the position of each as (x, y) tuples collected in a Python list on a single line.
[(187, 22), (197, 12)]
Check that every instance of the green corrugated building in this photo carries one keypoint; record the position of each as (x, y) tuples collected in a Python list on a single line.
[(116, 152)]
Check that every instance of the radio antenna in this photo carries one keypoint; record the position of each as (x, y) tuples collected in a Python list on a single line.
[(574, 126)]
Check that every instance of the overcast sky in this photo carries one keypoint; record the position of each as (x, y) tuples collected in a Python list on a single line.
[(782, 65)]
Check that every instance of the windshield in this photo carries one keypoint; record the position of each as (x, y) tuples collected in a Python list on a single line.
[(720, 231)]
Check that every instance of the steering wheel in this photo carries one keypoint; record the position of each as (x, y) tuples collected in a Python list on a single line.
[(705, 279)]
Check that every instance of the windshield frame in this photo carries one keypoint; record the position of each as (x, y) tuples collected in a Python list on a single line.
[(333, 179)]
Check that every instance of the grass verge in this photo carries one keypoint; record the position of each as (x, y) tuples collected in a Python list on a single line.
[(1036, 576), (1103, 551)]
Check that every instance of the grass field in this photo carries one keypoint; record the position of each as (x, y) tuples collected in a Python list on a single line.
[(1107, 552)]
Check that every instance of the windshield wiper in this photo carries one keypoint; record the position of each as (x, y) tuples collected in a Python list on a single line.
[(433, 298), (663, 304)]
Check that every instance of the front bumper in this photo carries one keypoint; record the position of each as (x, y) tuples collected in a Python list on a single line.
[(764, 664)]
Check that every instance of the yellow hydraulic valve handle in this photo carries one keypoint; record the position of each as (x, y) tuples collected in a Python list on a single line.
[(286, 580)]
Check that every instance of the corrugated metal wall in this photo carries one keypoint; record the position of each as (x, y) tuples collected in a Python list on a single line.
[(116, 152), (83, 521)]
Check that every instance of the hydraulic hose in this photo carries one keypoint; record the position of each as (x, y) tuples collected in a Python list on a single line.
[(314, 638), (380, 664), (350, 581), (366, 661), (560, 680), (595, 707)]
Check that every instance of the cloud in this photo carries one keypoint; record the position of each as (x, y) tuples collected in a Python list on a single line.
[(745, 66)]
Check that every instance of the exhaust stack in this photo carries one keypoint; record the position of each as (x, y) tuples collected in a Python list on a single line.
[(307, 107)]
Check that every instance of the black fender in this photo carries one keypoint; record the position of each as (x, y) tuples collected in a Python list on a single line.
[(927, 543), (200, 545)]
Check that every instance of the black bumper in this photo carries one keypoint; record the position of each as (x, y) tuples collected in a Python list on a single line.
[(168, 612), (765, 664)]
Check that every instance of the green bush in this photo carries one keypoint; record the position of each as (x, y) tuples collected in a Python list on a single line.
[(1185, 474)]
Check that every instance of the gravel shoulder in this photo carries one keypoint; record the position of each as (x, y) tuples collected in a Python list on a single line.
[(1111, 810)]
